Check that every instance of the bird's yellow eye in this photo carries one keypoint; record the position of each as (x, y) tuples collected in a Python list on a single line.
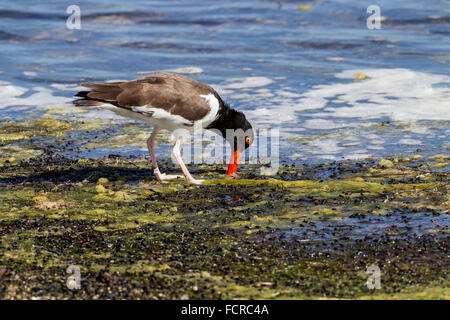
[(247, 140)]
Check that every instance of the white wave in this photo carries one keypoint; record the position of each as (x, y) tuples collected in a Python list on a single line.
[(409, 141), (246, 83), (11, 95), (67, 87), (326, 146), (356, 156), (401, 94)]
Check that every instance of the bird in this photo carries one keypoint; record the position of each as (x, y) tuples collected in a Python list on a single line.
[(172, 101)]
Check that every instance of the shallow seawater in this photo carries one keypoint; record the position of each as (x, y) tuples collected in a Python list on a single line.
[(333, 88)]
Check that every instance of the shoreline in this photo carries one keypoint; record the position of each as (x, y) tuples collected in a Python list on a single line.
[(310, 232)]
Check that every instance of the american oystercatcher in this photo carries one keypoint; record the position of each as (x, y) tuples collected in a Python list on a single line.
[(171, 101)]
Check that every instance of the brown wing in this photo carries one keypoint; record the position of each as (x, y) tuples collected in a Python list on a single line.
[(171, 92)]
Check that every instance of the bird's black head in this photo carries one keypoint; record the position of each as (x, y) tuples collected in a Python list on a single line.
[(235, 128), (240, 135)]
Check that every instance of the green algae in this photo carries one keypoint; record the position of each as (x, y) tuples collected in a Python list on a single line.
[(102, 181), (431, 293), (14, 154), (135, 238), (8, 137), (49, 123), (440, 158), (384, 163), (100, 189)]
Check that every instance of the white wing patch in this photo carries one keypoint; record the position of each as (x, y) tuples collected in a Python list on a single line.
[(214, 109)]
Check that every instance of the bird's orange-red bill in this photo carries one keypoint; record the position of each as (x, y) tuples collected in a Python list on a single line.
[(232, 167)]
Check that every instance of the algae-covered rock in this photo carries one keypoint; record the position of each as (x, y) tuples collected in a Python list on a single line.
[(96, 212), (100, 189), (440, 158), (122, 196), (360, 76), (8, 137), (385, 163), (304, 8), (13, 154), (440, 165), (39, 198), (51, 124), (101, 197), (102, 181)]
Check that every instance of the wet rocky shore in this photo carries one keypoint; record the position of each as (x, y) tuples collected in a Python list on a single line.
[(311, 231)]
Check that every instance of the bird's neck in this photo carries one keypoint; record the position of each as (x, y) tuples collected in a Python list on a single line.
[(222, 121)]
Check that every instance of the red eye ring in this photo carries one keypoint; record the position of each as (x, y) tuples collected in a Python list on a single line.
[(247, 140)]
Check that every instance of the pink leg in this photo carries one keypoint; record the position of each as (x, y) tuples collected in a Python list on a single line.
[(187, 175), (151, 148)]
